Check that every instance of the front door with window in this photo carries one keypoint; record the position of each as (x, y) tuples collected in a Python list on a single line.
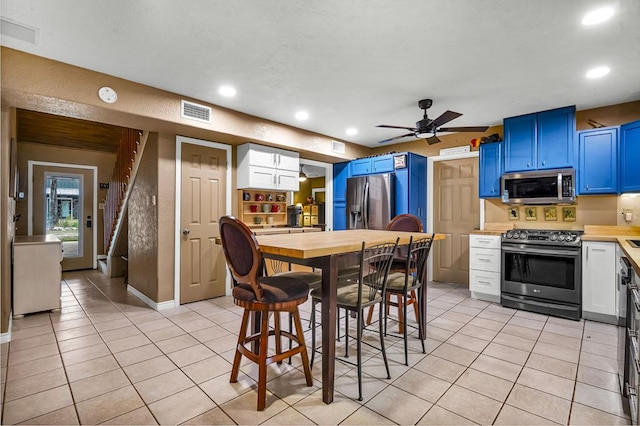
[(62, 206)]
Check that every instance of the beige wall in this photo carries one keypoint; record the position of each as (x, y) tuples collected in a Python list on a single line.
[(166, 215), (143, 223), (7, 206)]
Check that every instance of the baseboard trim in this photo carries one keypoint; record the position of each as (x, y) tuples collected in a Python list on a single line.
[(6, 337), (169, 304)]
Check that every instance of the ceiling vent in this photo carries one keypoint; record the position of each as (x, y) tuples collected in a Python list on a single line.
[(18, 31), (337, 147), (196, 112)]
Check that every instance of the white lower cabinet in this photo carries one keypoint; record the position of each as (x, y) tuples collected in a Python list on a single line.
[(599, 281), (484, 267), (36, 274)]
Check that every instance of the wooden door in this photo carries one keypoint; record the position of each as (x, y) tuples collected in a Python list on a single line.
[(456, 214), (73, 220), (202, 264)]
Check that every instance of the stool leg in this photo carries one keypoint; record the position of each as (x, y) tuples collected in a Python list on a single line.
[(313, 331), (262, 361), (303, 349), (238, 356), (278, 336)]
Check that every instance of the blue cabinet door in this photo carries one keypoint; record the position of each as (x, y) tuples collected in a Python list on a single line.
[(411, 188), (418, 187), (629, 159), (339, 216), (382, 164), (598, 171), (361, 167), (490, 170), (340, 175), (520, 143), (555, 138)]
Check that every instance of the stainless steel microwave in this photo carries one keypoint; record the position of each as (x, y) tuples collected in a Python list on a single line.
[(556, 186)]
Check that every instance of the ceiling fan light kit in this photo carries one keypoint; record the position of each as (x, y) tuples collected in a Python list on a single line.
[(427, 125)]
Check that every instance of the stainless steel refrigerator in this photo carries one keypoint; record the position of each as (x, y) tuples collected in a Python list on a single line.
[(370, 201)]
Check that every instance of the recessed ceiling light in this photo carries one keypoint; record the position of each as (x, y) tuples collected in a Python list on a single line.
[(597, 16), (351, 131), (227, 91), (302, 115), (598, 72)]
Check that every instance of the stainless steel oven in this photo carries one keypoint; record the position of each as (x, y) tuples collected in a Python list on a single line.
[(542, 272), (628, 371)]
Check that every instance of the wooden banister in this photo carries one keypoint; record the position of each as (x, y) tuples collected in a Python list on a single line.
[(120, 179)]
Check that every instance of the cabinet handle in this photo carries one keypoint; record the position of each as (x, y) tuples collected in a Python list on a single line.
[(544, 162), (528, 164), (278, 159), (587, 186), (274, 158)]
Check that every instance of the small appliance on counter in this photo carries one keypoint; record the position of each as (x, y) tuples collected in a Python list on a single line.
[(294, 216)]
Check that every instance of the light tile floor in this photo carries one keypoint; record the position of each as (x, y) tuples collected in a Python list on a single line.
[(108, 358)]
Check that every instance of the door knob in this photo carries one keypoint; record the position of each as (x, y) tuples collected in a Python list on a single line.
[(185, 231)]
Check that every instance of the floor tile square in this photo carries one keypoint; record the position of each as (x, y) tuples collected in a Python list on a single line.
[(546, 382), (485, 384), (397, 404), (35, 405), (109, 405), (468, 404), (162, 386), (540, 403), (192, 402), (599, 398)]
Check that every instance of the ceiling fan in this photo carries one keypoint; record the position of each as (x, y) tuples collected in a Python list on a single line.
[(427, 125)]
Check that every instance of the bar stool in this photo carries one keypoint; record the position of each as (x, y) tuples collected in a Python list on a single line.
[(261, 296)]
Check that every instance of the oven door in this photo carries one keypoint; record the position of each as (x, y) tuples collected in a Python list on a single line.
[(542, 272)]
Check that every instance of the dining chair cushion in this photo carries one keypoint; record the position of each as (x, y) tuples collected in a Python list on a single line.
[(395, 281), (274, 290), (347, 295), (312, 278)]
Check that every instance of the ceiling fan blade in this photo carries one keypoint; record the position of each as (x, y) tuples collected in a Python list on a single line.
[(433, 139), (446, 117), (397, 137), (412, 129), (464, 129)]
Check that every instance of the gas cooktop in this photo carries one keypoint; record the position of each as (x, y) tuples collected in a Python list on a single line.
[(543, 236)]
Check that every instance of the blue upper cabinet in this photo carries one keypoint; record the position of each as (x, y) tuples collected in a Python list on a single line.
[(520, 143), (361, 167), (382, 164), (372, 165), (556, 145), (490, 169), (629, 160), (544, 140), (598, 171)]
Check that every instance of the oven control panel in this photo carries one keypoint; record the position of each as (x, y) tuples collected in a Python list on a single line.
[(543, 236)]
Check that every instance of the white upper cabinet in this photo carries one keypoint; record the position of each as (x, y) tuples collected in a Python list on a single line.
[(264, 167)]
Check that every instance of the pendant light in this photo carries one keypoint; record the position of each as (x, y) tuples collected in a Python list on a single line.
[(302, 177)]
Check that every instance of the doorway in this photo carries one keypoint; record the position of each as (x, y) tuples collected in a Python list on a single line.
[(62, 203), (203, 191), (455, 212)]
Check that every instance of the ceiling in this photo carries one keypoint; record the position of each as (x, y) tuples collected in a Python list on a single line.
[(36, 127), (355, 63)]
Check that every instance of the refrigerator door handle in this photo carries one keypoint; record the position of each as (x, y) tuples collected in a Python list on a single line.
[(365, 206)]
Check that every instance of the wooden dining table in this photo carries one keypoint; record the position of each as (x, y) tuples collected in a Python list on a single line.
[(324, 250)]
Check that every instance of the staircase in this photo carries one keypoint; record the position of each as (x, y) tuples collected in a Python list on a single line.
[(115, 204)]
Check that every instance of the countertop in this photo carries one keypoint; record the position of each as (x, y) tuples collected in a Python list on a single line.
[(617, 234), (36, 239), (493, 229), (282, 230)]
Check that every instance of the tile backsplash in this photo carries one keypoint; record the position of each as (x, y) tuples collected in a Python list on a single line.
[(589, 210)]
